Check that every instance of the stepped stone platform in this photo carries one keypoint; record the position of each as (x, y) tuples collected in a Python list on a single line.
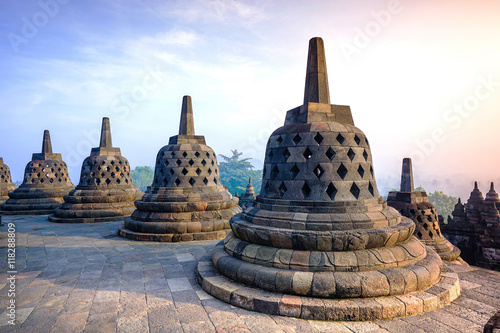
[(416, 206), (46, 181), (6, 185), (105, 192), (186, 201), (84, 278)]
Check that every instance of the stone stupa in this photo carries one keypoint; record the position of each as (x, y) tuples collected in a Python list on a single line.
[(46, 181), (246, 198), (186, 201), (416, 206), (6, 185), (320, 242), (106, 192)]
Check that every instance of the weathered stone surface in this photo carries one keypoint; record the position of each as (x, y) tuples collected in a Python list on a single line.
[(319, 229), (186, 201), (106, 192), (246, 198), (416, 206), (45, 182), (6, 185), (475, 228)]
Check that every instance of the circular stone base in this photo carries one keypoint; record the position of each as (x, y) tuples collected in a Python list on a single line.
[(27, 212), (198, 236), (354, 309), (53, 218)]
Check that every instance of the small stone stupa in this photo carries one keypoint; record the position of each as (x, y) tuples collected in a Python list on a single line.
[(46, 181), (247, 197), (106, 192), (186, 201), (416, 206), (6, 185), (320, 242)]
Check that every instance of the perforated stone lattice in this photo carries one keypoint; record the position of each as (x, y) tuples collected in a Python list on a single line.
[(195, 165), (426, 221), (317, 165), (46, 172), (5, 174), (108, 171)]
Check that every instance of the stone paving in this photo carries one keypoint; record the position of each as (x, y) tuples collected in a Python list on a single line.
[(83, 277)]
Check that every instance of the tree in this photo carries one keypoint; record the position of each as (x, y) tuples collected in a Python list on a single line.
[(444, 203), (234, 173), (142, 176)]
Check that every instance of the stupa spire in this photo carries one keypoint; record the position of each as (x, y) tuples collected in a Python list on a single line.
[(407, 176), (316, 90), (46, 144), (186, 126), (105, 134)]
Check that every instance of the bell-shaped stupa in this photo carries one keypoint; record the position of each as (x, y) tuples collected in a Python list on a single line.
[(320, 242), (6, 185), (106, 192), (416, 206), (46, 181), (186, 201), (247, 197)]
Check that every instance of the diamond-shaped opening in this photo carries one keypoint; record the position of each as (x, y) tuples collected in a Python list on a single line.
[(361, 171), (178, 162), (342, 171), (184, 171), (286, 154), (98, 181), (274, 172), (419, 234), (306, 190), (351, 154), (99, 168), (113, 175), (51, 180), (330, 153), (118, 168), (271, 154), (212, 163), (282, 189), (126, 180), (205, 181), (357, 139), (171, 171), (307, 154), (209, 171), (108, 181), (279, 140), (118, 181), (208, 155), (370, 188), (365, 155), (59, 180), (103, 174), (184, 154), (161, 171), (204, 162), (294, 171), (318, 171), (192, 181), (41, 180), (340, 138), (172, 154), (296, 139), (371, 170), (331, 190), (355, 190), (197, 154), (108, 168), (191, 162), (215, 181), (112, 162), (177, 182), (198, 171), (431, 235), (318, 138)]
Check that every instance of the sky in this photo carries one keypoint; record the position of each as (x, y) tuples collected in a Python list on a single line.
[(422, 78)]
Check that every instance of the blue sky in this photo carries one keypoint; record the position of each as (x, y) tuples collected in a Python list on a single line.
[(421, 77)]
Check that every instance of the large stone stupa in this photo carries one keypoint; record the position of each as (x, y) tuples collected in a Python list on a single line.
[(416, 206), (6, 185), (46, 181), (320, 242), (106, 192), (186, 201)]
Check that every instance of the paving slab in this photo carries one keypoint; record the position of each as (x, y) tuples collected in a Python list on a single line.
[(83, 278)]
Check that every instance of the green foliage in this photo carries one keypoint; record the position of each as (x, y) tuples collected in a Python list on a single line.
[(444, 203), (234, 173), (142, 176)]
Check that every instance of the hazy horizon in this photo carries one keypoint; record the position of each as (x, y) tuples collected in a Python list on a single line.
[(422, 79)]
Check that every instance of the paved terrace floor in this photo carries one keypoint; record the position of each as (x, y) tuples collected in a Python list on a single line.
[(82, 277)]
